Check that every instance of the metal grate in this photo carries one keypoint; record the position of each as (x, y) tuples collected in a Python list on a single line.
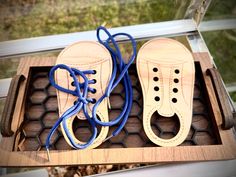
[(41, 112)]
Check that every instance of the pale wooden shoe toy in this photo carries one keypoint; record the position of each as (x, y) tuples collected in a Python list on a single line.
[(85, 55), (166, 72)]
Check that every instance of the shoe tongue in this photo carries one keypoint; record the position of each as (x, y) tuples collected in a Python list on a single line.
[(165, 108)]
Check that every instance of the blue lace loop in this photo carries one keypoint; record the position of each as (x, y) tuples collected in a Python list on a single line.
[(123, 75), (82, 89), (81, 103)]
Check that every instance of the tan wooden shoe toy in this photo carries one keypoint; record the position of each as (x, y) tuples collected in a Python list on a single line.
[(84, 76), (85, 55), (166, 71)]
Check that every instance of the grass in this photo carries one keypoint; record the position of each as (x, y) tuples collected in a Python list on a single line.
[(27, 18), (54, 17)]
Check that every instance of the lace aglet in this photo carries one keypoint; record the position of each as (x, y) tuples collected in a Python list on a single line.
[(107, 138), (108, 103), (48, 154), (104, 24)]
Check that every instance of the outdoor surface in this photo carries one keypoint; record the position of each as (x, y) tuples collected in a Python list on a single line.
[(32, 18), (26, 18)]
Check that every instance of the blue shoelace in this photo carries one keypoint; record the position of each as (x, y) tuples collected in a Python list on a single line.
[(82, 89)]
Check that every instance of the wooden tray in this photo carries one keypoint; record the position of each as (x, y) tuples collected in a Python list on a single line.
[(25, 128)]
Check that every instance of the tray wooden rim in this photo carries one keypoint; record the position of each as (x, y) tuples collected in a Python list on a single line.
[(226, 150)]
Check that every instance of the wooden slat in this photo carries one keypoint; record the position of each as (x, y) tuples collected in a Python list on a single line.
[(127, 155)]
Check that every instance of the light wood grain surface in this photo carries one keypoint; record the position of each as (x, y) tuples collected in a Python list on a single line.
[(10, 157), (85, 55), (166, 73)]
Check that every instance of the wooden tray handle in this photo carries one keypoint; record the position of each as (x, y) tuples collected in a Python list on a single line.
[(9, 107), (222, 98)]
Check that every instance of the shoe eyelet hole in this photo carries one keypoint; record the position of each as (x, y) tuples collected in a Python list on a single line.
[(176, 80), (176, 71), (94, 91), (156, 88), (93, 101), (73, 83), (155, 69), (174, 100), (156, 79), (94, 71), (175, 90), (75, 102), (157, 98), (95, 81)]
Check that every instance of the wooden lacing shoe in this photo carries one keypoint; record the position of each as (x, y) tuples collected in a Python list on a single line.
[(166, 72), (85, 55)]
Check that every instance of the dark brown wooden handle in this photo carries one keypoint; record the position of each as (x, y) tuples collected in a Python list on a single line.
[(222, 98), (9, 107)]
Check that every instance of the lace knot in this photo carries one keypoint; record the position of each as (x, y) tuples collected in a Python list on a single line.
[(83, 100)]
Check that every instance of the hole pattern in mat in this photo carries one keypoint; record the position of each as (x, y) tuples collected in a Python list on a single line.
[(41, 113)]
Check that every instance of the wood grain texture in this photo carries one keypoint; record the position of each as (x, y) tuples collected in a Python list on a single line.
[(23, 68), (84, 55), (166, 73), (11, 157), (10, 103), (117, 156), (222, 98), (41, 113)]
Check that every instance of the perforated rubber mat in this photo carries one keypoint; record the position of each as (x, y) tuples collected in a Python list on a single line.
[(41, 112)]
